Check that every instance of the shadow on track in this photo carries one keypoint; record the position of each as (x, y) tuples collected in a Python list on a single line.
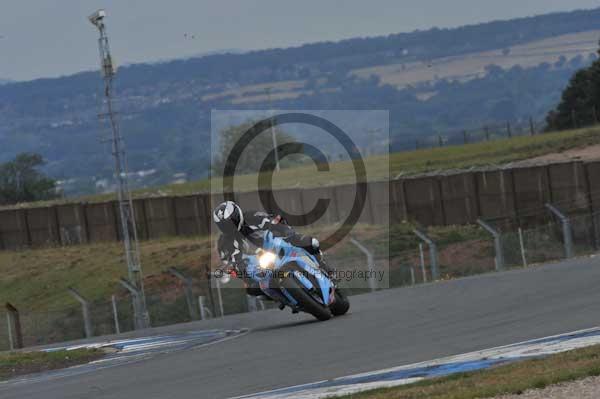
[(286, 325)]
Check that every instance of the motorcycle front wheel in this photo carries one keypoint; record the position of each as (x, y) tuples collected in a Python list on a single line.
[(341, 304), (305, 301)]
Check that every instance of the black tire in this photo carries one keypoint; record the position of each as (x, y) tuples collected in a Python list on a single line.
[(341, 304), (306, 302)]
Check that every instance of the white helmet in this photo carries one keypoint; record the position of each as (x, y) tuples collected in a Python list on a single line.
[(228, 217)]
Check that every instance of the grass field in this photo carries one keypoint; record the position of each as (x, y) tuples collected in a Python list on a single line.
[(14, 364), (469, 66), (495, 152), (491, 153), (509, 379), (36, 280), (463, 67)]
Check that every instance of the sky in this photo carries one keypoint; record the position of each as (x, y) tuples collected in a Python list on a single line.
[(49, 38)]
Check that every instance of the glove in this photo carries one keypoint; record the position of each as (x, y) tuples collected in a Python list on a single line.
[(315, 244)]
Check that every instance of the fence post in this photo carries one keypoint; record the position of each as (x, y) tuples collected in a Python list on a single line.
[(574, 119), (433, 253), (140, 321), (422, 261), (85, 310), (566, 228), (412, 275), (499, 259), (204, 311), (261, 302), (115, 314), (188, 291), (220, 296), (522, 245), (531, 127), (508, 129), (465, 137), (251, 302), (15, 334), (370, 261), (595, 114), (487, 133)]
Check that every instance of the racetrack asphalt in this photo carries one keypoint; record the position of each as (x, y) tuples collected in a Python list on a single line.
[(384, 329)]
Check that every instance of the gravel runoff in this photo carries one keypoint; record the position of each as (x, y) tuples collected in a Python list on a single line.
[(588, 388)]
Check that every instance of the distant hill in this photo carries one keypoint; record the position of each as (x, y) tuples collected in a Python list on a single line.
[(432, 82), (4, 81)]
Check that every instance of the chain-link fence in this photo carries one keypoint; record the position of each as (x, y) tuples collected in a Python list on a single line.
[(454, 252), (477, 134), (551, 241), (166, 305), (557, 239)]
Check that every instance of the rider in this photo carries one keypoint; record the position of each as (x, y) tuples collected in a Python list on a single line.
[(239, 228)]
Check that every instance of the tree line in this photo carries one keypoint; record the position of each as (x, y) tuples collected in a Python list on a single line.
[(22, 181), (580, 101)]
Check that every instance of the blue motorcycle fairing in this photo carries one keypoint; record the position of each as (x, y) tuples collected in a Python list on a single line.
[(303, 280), (286, 253)]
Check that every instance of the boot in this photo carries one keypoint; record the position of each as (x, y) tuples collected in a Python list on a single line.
[(325, 267)]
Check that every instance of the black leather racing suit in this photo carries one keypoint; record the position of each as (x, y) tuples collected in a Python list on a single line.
[(232, 247)]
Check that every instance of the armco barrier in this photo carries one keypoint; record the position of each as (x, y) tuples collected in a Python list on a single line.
[(532, 192), (495, 193), (343, 197), (251, 200), (310, 198), (592, 171), (102, 221), (43, 226), (14, 232), (423, 201), (160, 217), (289, 200), (191, 215), (187, 215), (568, 184), (141, 221), (72, 224), (517, 195), (459, 199), (398, 211), (376, 210)]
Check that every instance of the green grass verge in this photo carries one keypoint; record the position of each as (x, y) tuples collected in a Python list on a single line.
[(409, 163), (508, 379), (14, 364), (36, 280), (495, 152)]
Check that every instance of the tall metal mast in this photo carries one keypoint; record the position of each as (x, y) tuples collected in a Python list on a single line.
[(126, 210)]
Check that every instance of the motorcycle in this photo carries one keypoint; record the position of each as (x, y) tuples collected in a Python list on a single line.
[(292, 277)]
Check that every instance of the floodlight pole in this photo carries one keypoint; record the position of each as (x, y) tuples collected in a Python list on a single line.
[(126, 211)]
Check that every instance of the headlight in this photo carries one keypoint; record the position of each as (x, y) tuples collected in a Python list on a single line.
[(266, 260)]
